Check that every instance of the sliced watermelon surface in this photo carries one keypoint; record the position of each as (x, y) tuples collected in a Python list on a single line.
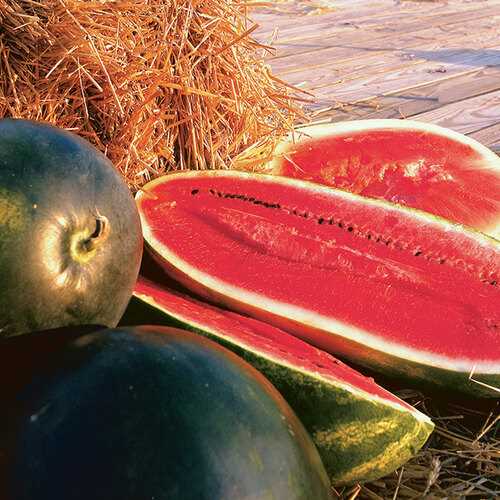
[(390, 287), (412, 163), (362, 431)]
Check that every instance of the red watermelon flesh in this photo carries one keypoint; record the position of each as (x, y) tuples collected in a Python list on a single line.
[(327, 395), (389, 286), (412, 163)]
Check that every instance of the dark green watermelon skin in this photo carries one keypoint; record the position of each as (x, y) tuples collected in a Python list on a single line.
[(153, 412), (70, 234)]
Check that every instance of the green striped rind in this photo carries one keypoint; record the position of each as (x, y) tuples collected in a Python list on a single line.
[(474, 384), (358, 437)]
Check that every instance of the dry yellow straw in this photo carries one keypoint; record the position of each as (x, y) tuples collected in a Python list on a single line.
[(156, 84)]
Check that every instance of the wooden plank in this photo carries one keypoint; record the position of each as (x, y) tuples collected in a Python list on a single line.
[(292, 28), (334, 84), (396, 81), (467, 116), (415, 26), (426, 98), (335, 33), (351, 62), (293, 24), (489, 136), (487, 27), (418, 100)]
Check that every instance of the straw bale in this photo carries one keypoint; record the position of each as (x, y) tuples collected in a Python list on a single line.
[(154, 84)]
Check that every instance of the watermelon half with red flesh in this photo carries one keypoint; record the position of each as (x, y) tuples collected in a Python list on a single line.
[(412, 163), (362, 431), (389, 287)]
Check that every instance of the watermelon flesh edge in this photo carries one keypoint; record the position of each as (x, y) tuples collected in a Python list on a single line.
[(390, 287), (362, 431), (412, 163)]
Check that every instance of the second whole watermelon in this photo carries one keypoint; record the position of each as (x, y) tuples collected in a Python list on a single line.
[(150, 412)]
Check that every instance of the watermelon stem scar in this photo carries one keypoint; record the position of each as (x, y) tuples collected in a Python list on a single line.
[(99, 234), (484, 276), (83, 244)]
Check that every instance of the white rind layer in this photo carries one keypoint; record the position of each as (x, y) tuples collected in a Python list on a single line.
[(341, 128)]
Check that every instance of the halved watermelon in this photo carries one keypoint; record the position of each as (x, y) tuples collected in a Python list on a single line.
[(362, 431), (412, 163), (390, 287)]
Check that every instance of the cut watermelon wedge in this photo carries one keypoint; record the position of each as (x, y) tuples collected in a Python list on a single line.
[(362, 431), (412, 163), (389, 287)]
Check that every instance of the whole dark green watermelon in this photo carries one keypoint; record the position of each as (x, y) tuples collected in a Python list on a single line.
[(70, 235), (155, 413)]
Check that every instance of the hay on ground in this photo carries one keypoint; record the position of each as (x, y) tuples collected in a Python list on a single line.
[(155, 84), (460, 460)]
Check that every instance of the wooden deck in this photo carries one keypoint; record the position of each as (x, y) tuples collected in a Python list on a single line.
[(434, 61)]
